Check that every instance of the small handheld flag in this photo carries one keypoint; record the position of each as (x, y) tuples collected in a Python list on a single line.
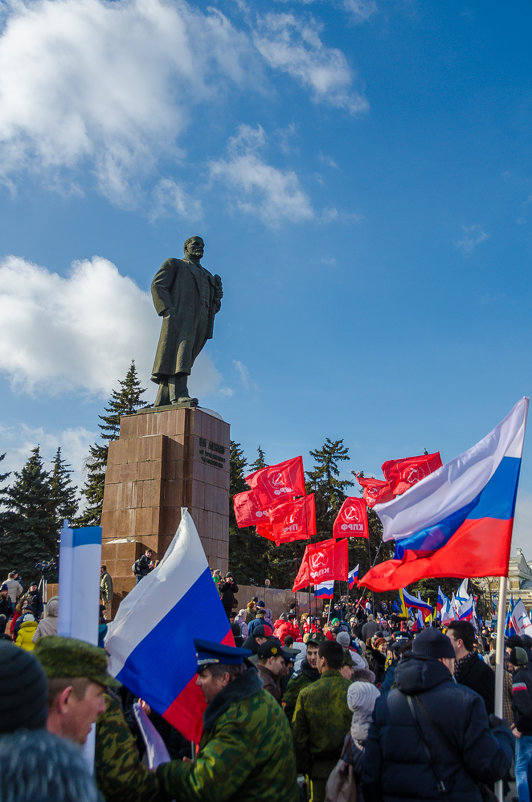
[(325, 590), (352, 577)]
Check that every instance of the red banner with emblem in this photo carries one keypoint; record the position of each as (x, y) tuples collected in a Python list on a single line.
[(376, 491), (322, 561), (352, 520), (404, 473), (294, 520), (278, 483), (247, 510)]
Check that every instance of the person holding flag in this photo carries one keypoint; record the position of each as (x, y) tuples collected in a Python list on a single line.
[(245, 751)]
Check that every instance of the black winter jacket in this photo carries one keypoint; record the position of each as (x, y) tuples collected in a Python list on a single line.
[(522, 700), (396, 766), (478, 676)]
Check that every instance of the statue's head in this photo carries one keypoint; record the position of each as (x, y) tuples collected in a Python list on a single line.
[(194, 248)]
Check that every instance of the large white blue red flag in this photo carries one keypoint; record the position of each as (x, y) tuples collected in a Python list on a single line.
[(325, 590), (458, 520), (150, 642), (352, 577)]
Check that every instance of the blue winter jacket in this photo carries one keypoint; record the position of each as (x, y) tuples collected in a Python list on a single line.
[(396, 766)]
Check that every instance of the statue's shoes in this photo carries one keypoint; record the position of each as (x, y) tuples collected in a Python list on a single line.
[(186, 399)]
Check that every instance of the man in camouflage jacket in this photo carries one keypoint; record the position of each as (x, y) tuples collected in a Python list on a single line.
[(245, 753), (120, 775), (321, 720)]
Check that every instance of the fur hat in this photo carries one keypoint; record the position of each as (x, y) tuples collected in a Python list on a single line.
[(38, 765)]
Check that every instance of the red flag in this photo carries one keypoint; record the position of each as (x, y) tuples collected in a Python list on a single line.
[(376, 491), (294, 520), (352, 520), (278, 482), (403, 473), (265, 530), (322, 561), (247, 511)]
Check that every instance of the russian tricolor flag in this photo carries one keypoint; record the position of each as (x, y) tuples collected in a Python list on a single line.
[(352, 577), (466, 610), (416, 602), (441, 600), (458, 520), (150, 642), (419, 624), (325, 590)]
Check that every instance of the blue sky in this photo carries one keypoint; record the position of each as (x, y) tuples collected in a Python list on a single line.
[(361, 174)]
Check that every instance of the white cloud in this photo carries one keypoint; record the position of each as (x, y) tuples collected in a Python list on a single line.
[(114, 87), (327, 160), (171, 196), (18, 442), (109, 85), (294, 46), (245, 378), (472, 236), (360, 10), (81, 332), (267, 192), (334, 215)]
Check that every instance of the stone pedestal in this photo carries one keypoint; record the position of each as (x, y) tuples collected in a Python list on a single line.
[(161, 462)]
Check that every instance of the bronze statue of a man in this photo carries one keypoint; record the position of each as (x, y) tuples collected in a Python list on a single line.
[(187, 297)]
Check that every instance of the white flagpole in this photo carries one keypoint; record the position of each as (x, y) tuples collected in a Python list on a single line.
[(499, 663)]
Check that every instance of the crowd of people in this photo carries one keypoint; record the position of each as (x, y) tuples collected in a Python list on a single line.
[(301, 706)]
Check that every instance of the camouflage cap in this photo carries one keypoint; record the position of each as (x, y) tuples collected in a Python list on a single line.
[(69, 657)]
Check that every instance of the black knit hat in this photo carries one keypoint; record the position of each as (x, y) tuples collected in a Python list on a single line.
[(23, 690), (432, 642)]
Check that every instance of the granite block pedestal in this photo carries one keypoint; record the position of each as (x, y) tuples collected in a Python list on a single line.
[(162, 461)]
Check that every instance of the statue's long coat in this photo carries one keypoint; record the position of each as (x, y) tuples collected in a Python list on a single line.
[(194, 294)]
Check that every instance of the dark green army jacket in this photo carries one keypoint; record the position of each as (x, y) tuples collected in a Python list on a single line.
[(120, 775), (297, 682), (320, 723), (245, 753)]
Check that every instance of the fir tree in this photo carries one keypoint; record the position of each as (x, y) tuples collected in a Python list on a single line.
[(325, 483), (31, 534), (5, 517), (124, 401), (3, 476), (63, 492), (239, 564), (248, 552), (260, 461)]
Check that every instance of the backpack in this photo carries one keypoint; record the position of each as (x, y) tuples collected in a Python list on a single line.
[(136, 567)]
